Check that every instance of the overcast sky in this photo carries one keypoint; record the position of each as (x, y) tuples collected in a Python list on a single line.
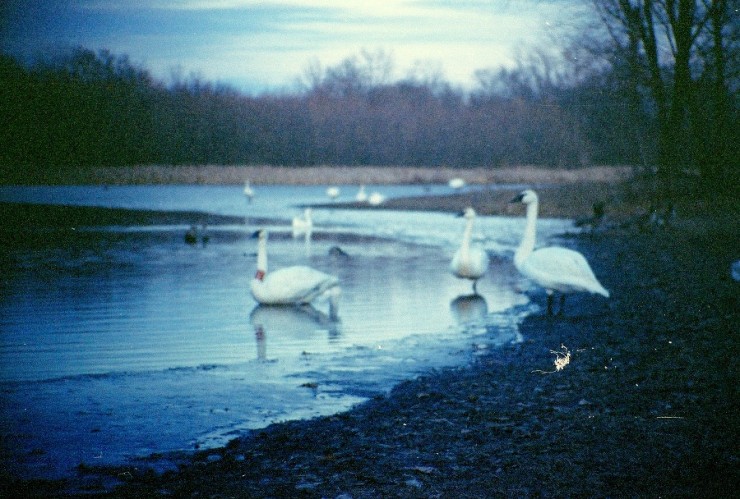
[(265, 45)]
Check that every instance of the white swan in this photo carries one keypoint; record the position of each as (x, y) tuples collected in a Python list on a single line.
[(553, 268), (290, 285), (376, 199), (303, 225), (361, 195), (248, 191), (469, 261), (456, 183), (332, 192)]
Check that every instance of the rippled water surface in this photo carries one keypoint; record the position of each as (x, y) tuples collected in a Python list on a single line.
[(124, 341)]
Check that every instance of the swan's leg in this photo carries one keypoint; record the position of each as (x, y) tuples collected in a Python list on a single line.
[(562, 304), (334, 303), (475, 286), (549, 303)]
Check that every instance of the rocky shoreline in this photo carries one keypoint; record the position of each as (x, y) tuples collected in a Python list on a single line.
[(640, 400)]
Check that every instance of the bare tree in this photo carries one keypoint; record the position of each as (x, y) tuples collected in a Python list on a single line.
[(662, 41)]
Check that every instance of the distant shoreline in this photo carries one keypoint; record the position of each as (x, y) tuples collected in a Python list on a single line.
[(313, 175)]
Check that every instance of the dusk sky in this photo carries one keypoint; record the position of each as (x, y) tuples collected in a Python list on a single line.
[(257, 46)]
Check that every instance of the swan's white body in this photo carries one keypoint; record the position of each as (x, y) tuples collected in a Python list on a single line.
[(375, 199), (456, 183), (469, 261), (361, 196), (248, 191), (305, 224), (290, 285), (332, 192), (554, 268)]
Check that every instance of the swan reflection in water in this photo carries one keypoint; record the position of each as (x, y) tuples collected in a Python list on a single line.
[(306, 236), (292, 328), (469, 308)]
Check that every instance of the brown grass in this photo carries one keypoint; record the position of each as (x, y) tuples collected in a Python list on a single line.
[(323, 175)]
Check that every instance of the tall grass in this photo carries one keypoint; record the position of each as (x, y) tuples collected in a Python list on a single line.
[(324, 175)]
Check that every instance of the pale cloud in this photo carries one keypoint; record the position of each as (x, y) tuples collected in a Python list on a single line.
[(257, 45)]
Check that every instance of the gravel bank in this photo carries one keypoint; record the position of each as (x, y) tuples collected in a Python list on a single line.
[(646, 404)]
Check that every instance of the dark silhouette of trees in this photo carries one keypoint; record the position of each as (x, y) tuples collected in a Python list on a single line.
[(681, 58), (98, 109)]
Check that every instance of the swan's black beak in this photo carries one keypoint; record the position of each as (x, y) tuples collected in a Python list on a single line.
[(256, 234), (518, 198), (460, 214)]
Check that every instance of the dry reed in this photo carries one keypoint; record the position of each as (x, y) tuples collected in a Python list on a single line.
[(324, 175)]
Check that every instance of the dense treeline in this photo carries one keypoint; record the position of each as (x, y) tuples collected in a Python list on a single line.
[(620, 97), (99, 109)]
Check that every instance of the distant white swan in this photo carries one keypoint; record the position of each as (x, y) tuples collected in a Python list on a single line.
[(456, 183), (248, 191), (470, 261), (553, 268), (361, 195), (290, 285), (303, 224), (376, 199), (332, 192)]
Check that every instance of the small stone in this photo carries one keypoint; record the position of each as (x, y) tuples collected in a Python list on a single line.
[(413, 482)]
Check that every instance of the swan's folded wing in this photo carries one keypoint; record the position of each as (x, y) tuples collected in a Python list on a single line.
[(563, 270), (562, 262), (299, 284)]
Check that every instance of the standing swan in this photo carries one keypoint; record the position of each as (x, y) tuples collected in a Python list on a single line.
[(303, 225), (248, 191), (554, 268), (290, 285), (361, 195), (469, 262)]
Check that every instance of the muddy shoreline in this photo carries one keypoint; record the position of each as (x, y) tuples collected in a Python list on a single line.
[(646, 405)]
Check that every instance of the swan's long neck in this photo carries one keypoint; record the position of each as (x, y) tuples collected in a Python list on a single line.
[(530, 234), (261, 257), (467, 236)]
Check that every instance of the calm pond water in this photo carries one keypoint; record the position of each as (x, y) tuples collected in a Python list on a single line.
[(126, 341)]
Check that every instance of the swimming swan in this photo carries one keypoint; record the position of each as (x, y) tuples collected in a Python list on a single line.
[(554, 268), (376, 199), (456, 183), (290, 285), (469, 262), (332, 192)]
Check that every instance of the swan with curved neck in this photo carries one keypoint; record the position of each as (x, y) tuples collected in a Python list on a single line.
[(294, 285), (553, 268), (469, 261)]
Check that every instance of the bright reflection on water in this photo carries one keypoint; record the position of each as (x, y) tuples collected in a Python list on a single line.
[(121, 342)]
